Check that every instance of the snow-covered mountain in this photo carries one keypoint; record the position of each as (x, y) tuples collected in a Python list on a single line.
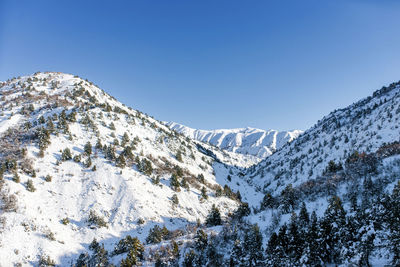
[(246, 141), (76, 164), (364, 126), (82, 175)]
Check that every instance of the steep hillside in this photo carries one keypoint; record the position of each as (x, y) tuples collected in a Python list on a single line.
[(77, 165), (364, 127), (332, 195), (246, 141)]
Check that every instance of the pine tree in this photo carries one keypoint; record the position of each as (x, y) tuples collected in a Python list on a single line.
[(127, 152), (189, 259), (253, 244), (145, 166), (29, 186), (134, 248), (88, 162), (333, 229), (311, 247), (214, 217), (175, 185), (304, 218), (88, 148), (236, 257), (16, 177), (66, 154), (41, 120), (100, 255), (125, 139), (201, 240), (296, 242), (175, 200), (43, 136), (268, 201), (201, 178), (98, 144), (288, 199), (204, 193), (393, 220), (214, 258), (242, 211), (282, 249), (179, 156), (50, 125), (110, 152), (120, 161)]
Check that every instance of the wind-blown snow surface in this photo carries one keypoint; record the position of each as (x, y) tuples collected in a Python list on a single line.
[(121, 196), (246, 141)]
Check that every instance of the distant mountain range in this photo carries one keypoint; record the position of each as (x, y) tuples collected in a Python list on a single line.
[(246, 141)]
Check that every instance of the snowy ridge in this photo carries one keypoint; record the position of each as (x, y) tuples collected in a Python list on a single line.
[(246, 141), (129, 196), (363, 126)]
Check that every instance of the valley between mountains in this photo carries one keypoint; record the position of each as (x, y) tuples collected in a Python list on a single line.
[(88, 181)]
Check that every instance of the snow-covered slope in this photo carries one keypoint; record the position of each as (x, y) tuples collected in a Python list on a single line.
[(124, 180), (246, 141), (76, 164), (363, 126)]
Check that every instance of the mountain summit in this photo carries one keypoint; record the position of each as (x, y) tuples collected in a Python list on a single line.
[(246, 141)]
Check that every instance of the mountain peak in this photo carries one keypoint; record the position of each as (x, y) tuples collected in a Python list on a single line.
[(247, 141)]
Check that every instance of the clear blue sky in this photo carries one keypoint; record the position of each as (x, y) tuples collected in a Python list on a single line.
[(212, 64)]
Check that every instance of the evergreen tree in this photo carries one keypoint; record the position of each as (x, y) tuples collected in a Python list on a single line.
[(201, 240), (50, 125), (29, 186), (175, 200), (130, 244), (100, 255), (41, 120), (311, 248), (268, 201), (88, 148), (212, 255), (157, 234), (304, 218), (236, 257), (189, 259), (43, 136), (296, 242), (253, 244), (393, 219), (66, 154), (333, 229), (88, 162), (175, 185), (204, 193), (201, 178), (120, 161), (125, 139), (179, 156), (288, 199), (214, 217), (127, 152), (242, 211), (145, 166), (98, 144)]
